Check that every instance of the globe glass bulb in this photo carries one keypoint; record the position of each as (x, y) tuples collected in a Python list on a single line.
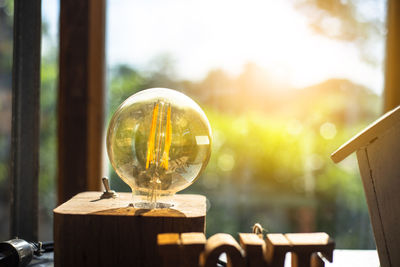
[(158, 142)]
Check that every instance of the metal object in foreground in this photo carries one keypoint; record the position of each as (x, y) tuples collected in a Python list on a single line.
[(18, 252), (108, 193), (15, 252)]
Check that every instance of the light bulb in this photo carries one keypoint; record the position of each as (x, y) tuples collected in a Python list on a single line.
[(158, 142)]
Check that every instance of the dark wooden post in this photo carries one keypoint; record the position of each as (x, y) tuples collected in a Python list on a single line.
[(169, 248), (25, 119), (192, 246), (392, 75), (81, 96)]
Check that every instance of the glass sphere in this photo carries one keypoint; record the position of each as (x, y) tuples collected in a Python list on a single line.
[(159, 142)]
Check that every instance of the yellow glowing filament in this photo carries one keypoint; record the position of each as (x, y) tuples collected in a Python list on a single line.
[(150, 142), (168, 139), (159, 134), (151, 149)]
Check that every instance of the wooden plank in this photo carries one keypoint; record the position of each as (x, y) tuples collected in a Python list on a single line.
[(254, 248), (309, 239), (304, 245), (25, 119), (223, 243), (185, 205), (89, 231), (374, 130), (193, 245), (169, 249), (383, 158), (168, 239), (373, 205), (277, 247), (317, 261), (392, 62), (96, 93), (278, 240), (80, 96)]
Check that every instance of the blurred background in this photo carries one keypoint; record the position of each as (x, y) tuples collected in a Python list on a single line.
[(283, 83)]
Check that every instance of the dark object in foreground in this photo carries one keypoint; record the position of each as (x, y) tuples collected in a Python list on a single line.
[(18, 252), (192, 249)]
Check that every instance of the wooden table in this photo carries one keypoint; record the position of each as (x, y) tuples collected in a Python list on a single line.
[(341, 258)]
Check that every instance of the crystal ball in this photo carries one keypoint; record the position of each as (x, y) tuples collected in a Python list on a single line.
[(159, 142)]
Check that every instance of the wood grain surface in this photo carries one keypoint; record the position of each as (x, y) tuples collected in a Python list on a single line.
[(89, 231)]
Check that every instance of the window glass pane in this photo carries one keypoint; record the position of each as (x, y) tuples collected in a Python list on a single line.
[(48, 118), (6, 47), (49, 69), (283, 83)]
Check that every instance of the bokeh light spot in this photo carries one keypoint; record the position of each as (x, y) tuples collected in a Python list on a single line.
[(294, 127), (226, 162), (328, 130)]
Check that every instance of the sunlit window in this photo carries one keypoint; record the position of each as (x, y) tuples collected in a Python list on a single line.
[(284, 83)]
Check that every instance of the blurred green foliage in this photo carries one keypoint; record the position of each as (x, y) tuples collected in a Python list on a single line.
[(6, 33), (271, 165), (48, 142)]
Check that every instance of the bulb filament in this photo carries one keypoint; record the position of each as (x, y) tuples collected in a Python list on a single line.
[(154, 155), (168, 139), (150, 143)]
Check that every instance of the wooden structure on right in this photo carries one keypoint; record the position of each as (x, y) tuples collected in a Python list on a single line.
[(378, 155)]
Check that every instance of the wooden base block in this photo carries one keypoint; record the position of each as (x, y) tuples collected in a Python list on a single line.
[(89, 231)]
